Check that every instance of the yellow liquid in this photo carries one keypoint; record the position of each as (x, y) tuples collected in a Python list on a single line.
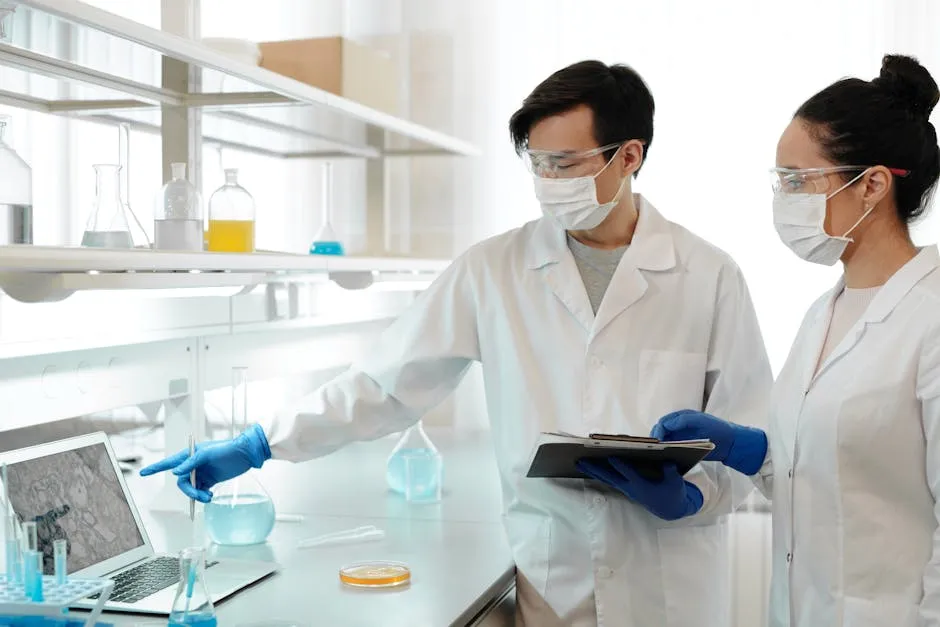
[(232, 236)]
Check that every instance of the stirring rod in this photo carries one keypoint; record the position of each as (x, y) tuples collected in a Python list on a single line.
[(192, 479)]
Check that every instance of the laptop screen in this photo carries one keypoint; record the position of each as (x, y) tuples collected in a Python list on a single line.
[(76, 495)]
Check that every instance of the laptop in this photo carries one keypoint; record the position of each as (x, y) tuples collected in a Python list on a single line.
[(74, 489)]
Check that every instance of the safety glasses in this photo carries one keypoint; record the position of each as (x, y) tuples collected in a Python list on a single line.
[(564, 163), (815, 180)]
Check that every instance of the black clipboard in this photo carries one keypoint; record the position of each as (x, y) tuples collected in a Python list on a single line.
[(555, 455)]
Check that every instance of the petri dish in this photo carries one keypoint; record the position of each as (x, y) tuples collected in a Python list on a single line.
[(375, 574)]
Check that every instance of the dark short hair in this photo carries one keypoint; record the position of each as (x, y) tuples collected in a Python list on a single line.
[(619, 99), (885, 121)]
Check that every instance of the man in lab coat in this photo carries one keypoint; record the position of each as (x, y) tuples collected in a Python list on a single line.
[(601, 316)]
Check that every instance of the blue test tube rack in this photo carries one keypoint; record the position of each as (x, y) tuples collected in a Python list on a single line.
[(56, 598)]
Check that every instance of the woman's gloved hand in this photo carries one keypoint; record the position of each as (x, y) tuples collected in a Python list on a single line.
[(670, 498), (215, 462), (736, 446)]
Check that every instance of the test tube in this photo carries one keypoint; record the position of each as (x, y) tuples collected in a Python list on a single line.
[(60, 550), (37, 581), (30, 561)]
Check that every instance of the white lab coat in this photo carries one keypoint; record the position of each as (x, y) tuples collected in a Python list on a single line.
[(676, 329), (853, 465)]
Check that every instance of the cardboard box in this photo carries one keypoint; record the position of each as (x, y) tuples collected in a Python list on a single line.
[(339, 66)]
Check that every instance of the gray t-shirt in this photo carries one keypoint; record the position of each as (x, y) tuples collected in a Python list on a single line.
[(597, 267)]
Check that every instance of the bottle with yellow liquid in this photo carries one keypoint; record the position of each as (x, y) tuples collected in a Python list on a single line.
[(231, 217)]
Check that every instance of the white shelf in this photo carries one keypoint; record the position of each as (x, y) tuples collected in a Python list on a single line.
[(255, 110), (45, 274)]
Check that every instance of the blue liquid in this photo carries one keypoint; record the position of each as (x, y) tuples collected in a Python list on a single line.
[(326, 248), (12, 548), (192, 619), (427, 470), (246, 519), (31, 575)]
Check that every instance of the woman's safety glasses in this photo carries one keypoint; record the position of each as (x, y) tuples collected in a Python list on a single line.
[(564, 164), (815, 180)]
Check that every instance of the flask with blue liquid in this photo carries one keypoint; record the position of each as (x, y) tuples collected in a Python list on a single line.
[(192, 606), (326, 242), (415, 468), (240, 512)]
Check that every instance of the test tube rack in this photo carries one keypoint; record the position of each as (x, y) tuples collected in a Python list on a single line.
[(58, 598)]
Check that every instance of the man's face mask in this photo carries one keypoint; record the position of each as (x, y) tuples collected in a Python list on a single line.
[(567, 190)]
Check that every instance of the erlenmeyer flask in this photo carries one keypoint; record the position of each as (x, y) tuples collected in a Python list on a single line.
[(192, 605), (241, 512), (415, 467), (107, 225), (325, 242)]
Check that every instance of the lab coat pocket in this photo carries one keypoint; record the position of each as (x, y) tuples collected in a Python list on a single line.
[(531, 541), (859, 612), (669, 381), (695, 571)]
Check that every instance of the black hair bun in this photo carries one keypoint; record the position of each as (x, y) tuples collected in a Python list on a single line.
[(910, 83)]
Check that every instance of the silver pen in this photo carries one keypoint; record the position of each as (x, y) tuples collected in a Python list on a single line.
[(192, 479)]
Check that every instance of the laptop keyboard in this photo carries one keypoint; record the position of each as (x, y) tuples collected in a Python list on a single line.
[(142, 581)]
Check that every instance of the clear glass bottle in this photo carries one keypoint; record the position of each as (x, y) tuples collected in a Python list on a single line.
[(177, 220), (192, 605), (325, 242), (107, 226), (231, 217), (16, 193), (415, 468), (241, 512)]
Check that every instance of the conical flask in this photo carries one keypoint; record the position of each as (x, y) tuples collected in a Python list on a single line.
[(415, 468), (192, 605), (107, 225), (241, 512), (325, 242)]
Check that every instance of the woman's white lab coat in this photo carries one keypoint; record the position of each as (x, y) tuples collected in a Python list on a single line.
[(853, 464), (676, 329)]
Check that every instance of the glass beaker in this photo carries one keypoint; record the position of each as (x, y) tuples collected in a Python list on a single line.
[(177, 220), (325, 242), (107, 225), (192, 605), (240, 512), (415, 468), (231, 217), (16, 193)]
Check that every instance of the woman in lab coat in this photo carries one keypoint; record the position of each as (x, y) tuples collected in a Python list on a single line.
[(853, 462)]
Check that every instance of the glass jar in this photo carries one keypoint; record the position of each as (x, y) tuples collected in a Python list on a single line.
[(177, 220), (231, 217)]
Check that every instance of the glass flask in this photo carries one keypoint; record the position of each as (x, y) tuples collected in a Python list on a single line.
[(16, 193), (192, 605), (177, 220), (231, 217), (415, 468), (107, 225), (240, 512), (325, 242)]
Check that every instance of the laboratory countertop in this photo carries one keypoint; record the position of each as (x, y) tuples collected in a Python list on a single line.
[(457, 551)]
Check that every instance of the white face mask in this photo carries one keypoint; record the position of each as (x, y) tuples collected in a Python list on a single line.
[(572, 203), (800, 222)]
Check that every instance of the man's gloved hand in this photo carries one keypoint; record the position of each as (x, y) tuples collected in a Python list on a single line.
[(670, 498), (736, 446), (215, 462)]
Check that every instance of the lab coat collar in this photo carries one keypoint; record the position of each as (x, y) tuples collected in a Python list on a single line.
[(887, 299), (652, 247)]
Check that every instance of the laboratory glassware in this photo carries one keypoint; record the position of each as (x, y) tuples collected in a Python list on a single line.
[(192, 605), (240, 512), (124, 160), (177, 220), (16, 192), (415, 461), (107, 225), (325, 242), (347, 536), (11, 540), (60, 551), (379, 574), (231, 217), (32, 562)]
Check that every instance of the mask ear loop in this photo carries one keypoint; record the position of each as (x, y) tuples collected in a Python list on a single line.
[(864, 215)]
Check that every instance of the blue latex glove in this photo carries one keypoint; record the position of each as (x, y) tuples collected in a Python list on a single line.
[(736, 446), (215, 462), (671, 498)]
